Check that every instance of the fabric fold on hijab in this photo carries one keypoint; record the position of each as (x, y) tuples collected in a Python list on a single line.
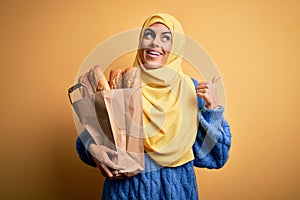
[(169, 102)]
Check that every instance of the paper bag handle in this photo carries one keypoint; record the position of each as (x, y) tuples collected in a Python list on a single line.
[(77, 86)]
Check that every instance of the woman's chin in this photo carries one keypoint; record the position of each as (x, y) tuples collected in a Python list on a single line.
[(150, 66)]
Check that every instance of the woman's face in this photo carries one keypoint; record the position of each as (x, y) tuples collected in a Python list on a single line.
[(156, 46)]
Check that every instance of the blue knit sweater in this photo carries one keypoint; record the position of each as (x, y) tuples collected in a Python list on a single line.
[(211, 150)]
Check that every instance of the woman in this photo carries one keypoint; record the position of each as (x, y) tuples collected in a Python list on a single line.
[(183, 126)]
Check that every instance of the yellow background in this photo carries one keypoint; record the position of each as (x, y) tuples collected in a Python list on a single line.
[(255, 44)]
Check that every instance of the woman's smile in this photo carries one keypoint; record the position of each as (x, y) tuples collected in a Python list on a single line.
[(153, 53)]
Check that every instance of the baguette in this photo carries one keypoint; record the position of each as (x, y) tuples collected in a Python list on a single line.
[(95, 80), (131, 78), (116, 78)]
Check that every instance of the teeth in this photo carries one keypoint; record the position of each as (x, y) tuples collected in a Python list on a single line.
[(154, 53)]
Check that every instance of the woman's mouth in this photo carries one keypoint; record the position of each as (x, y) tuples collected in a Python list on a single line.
[(153, 54)]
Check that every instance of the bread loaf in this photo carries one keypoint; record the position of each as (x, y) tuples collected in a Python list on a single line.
[(95, 80), (131, 78), (116, 78), (128, 78)]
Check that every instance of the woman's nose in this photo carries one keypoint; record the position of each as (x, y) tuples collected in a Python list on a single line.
[(156, 42)]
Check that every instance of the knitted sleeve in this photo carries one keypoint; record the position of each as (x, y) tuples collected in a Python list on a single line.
[(82, 143), (213, 141)]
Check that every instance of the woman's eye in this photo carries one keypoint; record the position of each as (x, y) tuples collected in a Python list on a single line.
[(148, 35), (166, 38)]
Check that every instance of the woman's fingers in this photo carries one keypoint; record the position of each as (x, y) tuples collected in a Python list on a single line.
[(202, 85), (207, 91), (104, 155), (110, 151), (106, 165), (105, 171), (202, 90), (112, 165), (108, 162)]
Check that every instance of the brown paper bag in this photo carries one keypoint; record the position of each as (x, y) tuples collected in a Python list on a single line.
[(114, 119)]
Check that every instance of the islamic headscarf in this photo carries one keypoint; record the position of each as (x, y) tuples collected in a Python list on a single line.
[(169, 102)]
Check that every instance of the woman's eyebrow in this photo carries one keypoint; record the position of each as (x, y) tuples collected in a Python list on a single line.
[(149, 29), (167, 32)]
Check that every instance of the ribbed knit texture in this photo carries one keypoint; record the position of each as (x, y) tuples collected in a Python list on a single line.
[(165, 183), (211, 150)]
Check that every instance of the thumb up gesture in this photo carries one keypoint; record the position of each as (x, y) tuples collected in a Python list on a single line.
[(208, 92)]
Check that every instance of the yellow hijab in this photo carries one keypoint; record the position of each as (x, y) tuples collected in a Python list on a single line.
[(169, 102)]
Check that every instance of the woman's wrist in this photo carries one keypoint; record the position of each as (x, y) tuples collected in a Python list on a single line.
[(210, 106), (92, 147)]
